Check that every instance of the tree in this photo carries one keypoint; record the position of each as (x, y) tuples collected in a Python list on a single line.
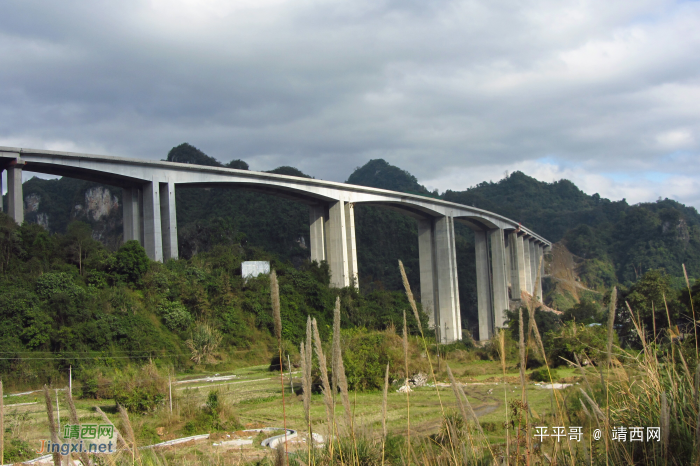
[(132, 261), (80, 241), (653, 301)]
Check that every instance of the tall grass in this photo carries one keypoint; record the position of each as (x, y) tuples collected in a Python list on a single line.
[(2, 426), (277, 319), (52, 424)]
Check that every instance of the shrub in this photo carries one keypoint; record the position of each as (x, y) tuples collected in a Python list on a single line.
[(366, 354), (175, 316), (215, 415), (204, 342), (95, 385), (52, 284), (17, 451), (542, 375), (140, 390), (132, 261), (577, 339)]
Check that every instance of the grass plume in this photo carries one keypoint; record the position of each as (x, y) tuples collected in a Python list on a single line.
[(611, 323), (2, 426), (323, 367), (384, 403), (277, 318), (73, 415), (692, 307), (409, 295), (339, 367), (129, 431), (52, 424), (408, 403)]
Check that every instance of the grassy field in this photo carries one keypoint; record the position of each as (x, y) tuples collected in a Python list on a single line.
[(253, 398)]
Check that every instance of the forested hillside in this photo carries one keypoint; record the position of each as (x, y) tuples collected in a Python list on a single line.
[(67, 300), (614, 242)]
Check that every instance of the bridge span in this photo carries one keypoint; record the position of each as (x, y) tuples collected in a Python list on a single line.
[(507, 254)]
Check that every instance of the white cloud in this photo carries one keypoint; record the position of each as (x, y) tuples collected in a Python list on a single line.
[(464, 86), (634, 187)]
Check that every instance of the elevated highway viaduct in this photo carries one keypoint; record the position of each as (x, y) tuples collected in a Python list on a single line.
[(507, 254)]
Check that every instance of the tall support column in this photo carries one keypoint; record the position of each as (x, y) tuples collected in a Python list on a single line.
[(523, 264), (483, 286), (132, 202), (498, 274), (1, 195), (540, 260), (508, 246), (448, 294), (455, 284), (317, 240), (152, 235), (515, 264), (528, 265), (168, 220), (533, 265), (15, 199), (353, 276), (428, 271), (337, 252)]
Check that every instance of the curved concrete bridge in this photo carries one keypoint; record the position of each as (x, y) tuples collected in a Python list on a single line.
[(507, 255)]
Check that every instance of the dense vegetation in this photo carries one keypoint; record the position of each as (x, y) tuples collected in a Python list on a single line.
[(65, 300)]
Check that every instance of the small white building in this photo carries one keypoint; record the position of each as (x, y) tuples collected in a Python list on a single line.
[(251, 269)]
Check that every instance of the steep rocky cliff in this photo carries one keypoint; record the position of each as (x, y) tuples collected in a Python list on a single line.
[(53, 204)]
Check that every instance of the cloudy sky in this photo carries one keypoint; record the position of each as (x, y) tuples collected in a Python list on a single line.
[(604, 93)]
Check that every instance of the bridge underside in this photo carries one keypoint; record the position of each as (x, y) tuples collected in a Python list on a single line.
[(507, 259)]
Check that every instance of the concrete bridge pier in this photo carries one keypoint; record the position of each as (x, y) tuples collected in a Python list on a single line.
[(168, 220), (527, 265), (332, 238), (132, 214), (317, 240), (15, 198), (438, 276), (515, 261), (484, 285), (540, 266), (533, 265), (149, 217), (499, 277), (152, 233)]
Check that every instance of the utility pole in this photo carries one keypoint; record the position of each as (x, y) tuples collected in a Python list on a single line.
[(58, 411), (289, 365), (70, 379), (170, 385)]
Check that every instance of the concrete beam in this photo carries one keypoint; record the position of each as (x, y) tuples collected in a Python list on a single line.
[(448, 293), (353, 275), (515, 263), (527, 265), (337, 251), (152, 234), (498, 274), (428, 271), (168, 220), (317, 240), (15, 199), (483, 286)]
